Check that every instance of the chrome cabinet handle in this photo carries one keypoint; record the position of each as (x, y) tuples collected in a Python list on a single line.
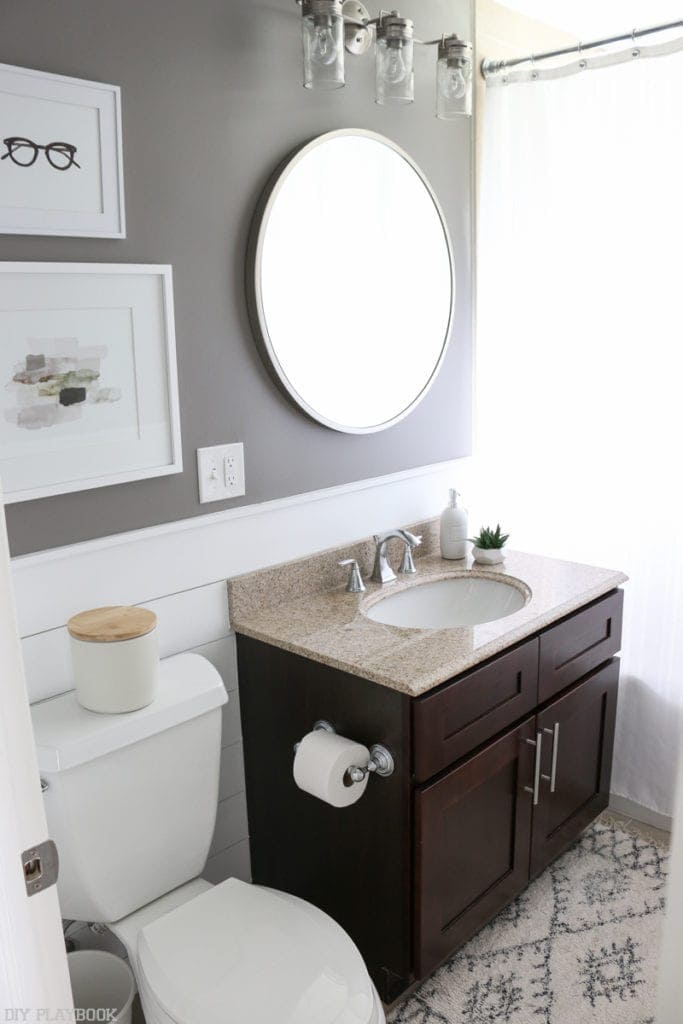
[(552, 778), (537, 743)]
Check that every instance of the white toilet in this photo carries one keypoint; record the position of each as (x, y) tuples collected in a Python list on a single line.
[(131, 803)]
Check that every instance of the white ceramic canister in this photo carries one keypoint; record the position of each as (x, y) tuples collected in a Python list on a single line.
[(115, 655)]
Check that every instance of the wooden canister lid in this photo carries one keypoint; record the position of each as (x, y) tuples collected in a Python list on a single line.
[(109, 625)]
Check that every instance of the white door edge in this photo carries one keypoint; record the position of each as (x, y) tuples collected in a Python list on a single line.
[(670, 994), (34, 979)]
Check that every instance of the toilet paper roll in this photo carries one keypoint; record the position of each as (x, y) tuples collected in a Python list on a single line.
[(321, 763)]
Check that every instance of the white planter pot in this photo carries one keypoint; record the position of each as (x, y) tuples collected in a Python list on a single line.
[(488, 556)]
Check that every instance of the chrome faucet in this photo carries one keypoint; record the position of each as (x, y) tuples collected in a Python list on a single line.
[(382, 571)]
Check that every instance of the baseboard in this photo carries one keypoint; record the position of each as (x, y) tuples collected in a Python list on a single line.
[(631, 809)]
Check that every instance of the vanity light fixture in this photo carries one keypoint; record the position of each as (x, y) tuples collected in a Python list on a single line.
[(454, 79), (394, 73), (330, 27), (322, 34)]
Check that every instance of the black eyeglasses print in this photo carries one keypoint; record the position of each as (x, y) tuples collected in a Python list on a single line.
[(24, 153)]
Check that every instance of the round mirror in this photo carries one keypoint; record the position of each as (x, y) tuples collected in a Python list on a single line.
[(353, 282)]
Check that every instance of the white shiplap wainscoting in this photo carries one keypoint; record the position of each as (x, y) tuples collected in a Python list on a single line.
[(179, 570)]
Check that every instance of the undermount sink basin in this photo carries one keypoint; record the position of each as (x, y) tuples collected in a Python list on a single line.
[(443, 604)]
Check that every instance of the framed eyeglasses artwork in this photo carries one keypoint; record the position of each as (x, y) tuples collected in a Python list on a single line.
[(24, 153), (61, 163)]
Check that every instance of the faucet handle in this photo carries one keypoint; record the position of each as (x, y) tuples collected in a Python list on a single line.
[(407, 563), (410, 541), (355, 584)]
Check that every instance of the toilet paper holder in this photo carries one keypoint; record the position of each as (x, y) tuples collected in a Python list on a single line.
[(381, 759)]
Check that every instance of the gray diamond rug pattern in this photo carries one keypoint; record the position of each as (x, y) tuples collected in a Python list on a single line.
[(579, 946)]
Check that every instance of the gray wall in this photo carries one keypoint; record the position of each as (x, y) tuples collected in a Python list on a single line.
[(212, 102)]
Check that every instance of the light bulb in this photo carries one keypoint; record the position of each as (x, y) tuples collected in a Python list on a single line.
[(395, 69), (324, 46), (394, 59), (455, 84)]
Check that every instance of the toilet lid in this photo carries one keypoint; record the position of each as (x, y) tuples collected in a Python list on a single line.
[(241, 953)]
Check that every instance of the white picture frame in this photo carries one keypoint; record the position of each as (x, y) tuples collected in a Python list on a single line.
[(48, 191), (88, 377)]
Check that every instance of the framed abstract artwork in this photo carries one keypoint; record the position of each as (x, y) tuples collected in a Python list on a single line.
[(88, 377), (61, 164)]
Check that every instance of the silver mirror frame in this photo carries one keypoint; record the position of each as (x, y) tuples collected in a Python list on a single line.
[(254, 278)]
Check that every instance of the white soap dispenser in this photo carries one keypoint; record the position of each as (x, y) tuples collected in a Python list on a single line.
[(454, 528)]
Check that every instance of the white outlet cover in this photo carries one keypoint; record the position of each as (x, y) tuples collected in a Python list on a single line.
[(221, 472)]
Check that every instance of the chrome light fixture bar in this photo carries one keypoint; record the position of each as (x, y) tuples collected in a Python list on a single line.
[(332, 27)]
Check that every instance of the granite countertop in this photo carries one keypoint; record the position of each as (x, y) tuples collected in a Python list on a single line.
[(303, 607)]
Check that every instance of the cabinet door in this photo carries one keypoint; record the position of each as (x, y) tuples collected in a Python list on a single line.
[(472, 835), (576, 756)]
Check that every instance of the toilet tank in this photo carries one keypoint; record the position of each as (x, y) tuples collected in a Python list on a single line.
[(131, 798)]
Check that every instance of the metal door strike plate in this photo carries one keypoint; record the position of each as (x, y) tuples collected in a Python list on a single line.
[(41, 866)]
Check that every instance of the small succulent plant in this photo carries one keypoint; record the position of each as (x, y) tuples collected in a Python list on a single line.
[(489, 539)]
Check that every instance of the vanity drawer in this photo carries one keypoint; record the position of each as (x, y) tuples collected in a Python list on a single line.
[(450, 723), (578, 645)]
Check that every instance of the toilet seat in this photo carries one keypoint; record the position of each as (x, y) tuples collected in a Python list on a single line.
[(240, 953)]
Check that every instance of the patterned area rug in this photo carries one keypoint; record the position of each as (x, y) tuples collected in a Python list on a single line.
[(579, 946)]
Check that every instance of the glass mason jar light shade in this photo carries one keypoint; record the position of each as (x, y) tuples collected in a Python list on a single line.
[(454, 79), (394, 75), (322, 30)]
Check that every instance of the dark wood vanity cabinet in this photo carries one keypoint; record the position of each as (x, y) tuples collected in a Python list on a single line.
[(497, 772)]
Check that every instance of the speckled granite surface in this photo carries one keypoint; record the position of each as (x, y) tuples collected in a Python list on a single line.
[(302, 606)]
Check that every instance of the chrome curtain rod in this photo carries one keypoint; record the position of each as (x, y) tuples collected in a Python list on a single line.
[(490, 67)]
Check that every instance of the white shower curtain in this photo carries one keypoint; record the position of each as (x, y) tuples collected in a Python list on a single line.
[(580, 362)]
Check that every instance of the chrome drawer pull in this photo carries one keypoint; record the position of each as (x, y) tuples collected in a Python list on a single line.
[(537, 743), (552, 778)]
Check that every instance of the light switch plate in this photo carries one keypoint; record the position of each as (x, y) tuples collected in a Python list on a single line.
[(221, 472)]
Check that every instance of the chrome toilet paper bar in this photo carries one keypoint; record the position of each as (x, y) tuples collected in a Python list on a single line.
[(381, 761)]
